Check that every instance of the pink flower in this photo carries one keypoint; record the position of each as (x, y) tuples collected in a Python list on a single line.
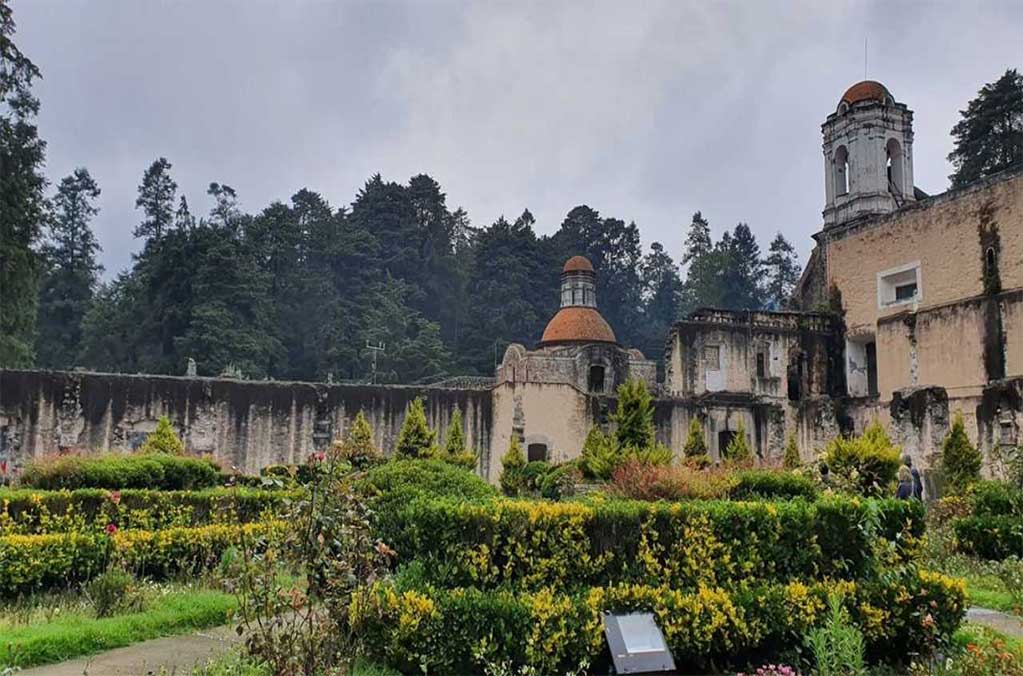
[(115, 497), (111, 528)]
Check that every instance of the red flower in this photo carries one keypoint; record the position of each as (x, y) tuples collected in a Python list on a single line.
[(115, 497), (111, 528), (320, 457)]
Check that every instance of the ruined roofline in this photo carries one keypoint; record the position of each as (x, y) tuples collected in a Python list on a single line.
[(461, 385), (762, 320), (827, 233)]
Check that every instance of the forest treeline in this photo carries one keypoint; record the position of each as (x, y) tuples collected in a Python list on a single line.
[(298, 290)]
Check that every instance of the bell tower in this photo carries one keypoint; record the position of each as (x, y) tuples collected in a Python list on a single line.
[(868, 155)]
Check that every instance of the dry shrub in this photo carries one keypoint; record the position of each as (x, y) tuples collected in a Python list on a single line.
[(640, 481)]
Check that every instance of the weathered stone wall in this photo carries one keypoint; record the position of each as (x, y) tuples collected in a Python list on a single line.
[(244, 424)]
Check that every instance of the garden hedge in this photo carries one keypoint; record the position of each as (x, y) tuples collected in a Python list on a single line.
[(34, 512), (464, 630), (990, 537), (772, 484), (30, 563), (118, 471), (536, 544), (997, 498)]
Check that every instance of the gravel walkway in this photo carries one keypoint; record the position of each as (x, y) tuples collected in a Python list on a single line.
[(1010, 625)]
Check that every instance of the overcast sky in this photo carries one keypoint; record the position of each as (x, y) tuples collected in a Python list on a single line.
[(644, 110)]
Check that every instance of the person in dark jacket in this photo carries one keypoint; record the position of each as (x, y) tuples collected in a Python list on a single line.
[(905, 489), (918, 485)]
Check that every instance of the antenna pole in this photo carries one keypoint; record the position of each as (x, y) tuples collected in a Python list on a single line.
[(864, 58)]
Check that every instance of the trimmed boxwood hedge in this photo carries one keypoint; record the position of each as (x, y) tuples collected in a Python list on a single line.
[(990, 537), (772, 484), (535, 544), (457, 630), (115, 471), (31, 512), (31, 563)]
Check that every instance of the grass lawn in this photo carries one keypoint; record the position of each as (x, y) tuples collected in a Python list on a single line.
[(54, 632)]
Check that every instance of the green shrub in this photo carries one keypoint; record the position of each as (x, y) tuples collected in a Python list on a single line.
[(114, 471), (34, 563), (772, 485), (599, 456), (465, 630), (696, 443), (113, 591), (960, 460), (394, 485), (415, 439), (989, 537), (560, 482), (454, 446), (513, 462), (868, 463), (358, 449), (791, 458), (33, 512), (837, 646), (163, 439), (567, 544), (533, 473), (996, 498), (738, 451)]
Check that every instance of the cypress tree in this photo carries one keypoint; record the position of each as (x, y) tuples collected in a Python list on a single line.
[(416, 439), (696, 445), (960, 459), (454, 445), (634, 417), (791, 458), (358, 448), (163, 439), (738, 450), (512, 463)]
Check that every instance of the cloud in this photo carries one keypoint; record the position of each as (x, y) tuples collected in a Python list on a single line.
[(646, 111)]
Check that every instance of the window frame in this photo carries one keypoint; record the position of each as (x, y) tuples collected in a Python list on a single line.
[(885, 283)]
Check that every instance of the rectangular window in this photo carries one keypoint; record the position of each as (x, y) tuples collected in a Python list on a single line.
[(761, 365), (712, 357), (905, 292), (899, 285)]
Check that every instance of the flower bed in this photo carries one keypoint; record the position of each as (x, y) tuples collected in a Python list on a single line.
[(36, 512), (461, 630), (536, 544)]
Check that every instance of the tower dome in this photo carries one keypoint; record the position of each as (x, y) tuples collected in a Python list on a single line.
[(578, 320), (868, 90)]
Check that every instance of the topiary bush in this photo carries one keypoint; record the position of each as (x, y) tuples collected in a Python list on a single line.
[(358, 449), (695, 448), (415, 439), (791, 458), (163, 439), (960, 460), (513, 462), (599, 456), (112, 470), (868, 463), (454, 446), (738, 451)]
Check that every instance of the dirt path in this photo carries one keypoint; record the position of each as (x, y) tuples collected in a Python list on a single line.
[(176, 654), (1010, 625)]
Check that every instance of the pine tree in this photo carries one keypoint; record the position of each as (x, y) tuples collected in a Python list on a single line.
[(163, 439), (698, 241), (634, 416), (696, 445), (416, 439), (454, 445), (989, 137), (512, 463), (156, 199), (791, 458), (738, 450), (22, 206), (72, 271), (960, 460), (661, 289), (358, 448), (743, 270), (783, 272)]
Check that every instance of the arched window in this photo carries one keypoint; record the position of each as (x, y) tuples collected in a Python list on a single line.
[(841, 170), (991, 260), (894, 152), (596, 380)]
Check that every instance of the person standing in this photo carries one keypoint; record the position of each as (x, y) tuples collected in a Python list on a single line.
[(918, 485)]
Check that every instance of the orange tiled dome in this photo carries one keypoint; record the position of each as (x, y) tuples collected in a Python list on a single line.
[(868, 90), (577, 324), (577, 264)]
